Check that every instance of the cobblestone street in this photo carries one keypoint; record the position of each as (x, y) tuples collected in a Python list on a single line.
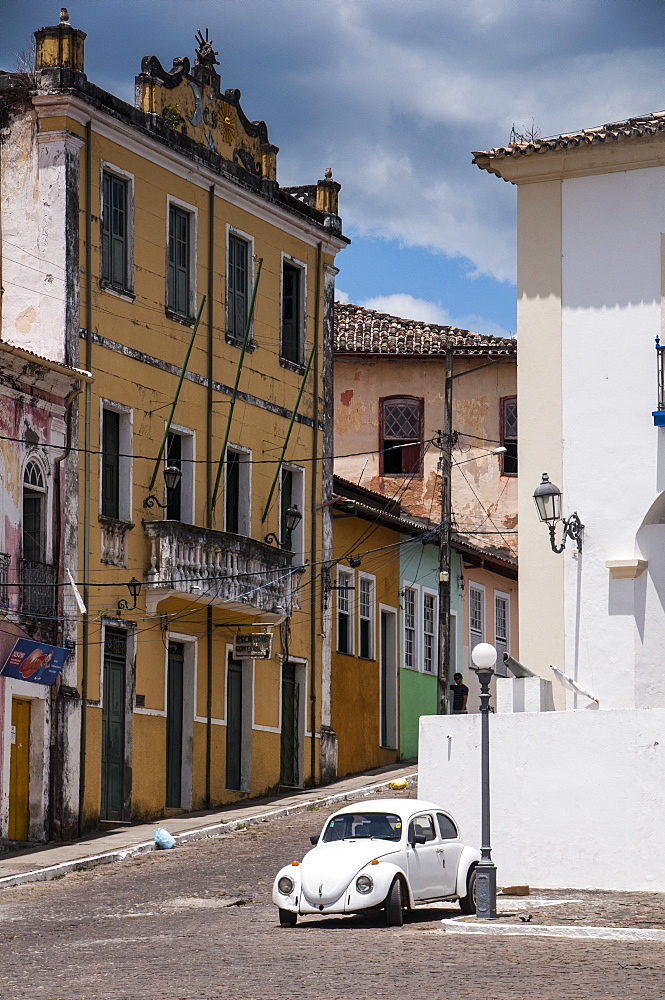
[(196, 923)]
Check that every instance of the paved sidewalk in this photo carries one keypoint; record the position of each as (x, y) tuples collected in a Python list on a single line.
[(55, 860), (571, 913)]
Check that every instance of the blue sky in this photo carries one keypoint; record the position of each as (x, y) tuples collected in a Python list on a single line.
[(394, 95)]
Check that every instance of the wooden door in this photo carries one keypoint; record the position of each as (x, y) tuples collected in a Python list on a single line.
[(174, 726), (113, 725), (19, 771), (289, 742), (234, 724)]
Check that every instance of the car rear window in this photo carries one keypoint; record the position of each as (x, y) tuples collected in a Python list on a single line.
[(357, 825)]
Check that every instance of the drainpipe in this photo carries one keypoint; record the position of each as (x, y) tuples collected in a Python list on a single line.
[(314, 518), (85, 658), (211, 326)]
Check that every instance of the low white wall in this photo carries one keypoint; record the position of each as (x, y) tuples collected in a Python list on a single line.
[(577, 798)]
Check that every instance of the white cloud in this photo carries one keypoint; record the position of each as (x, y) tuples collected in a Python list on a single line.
[(409, 307), (394, 94)]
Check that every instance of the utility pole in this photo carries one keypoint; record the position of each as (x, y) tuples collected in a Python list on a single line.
[(445, 534)]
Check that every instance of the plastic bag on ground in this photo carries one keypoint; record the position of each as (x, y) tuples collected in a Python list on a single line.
[(163, 839)]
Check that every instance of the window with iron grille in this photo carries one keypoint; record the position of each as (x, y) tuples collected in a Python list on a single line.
[(429, 633), (401, 421), (178, 286), (509, 435), (476, 616), (115, 230), (501, 625), (237, 298), (344, 611), (410, 643), (366, 617)]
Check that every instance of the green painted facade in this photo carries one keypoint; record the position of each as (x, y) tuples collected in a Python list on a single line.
[(419, 574)]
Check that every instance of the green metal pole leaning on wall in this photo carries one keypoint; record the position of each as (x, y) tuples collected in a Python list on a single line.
[(288, 432), (177, 393), (241, 360)]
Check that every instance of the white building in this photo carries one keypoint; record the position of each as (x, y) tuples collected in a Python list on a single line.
[(591, 279), (591, 302)]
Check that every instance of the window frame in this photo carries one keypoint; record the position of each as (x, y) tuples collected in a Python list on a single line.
[(171, 309), (232, 233), (299, 266), (369, 579), (125, 460), (186, 485), (125, 288), (384, 401), (480, 589), (414, 589), (428, 592), (508, 442), (298, 498), (500, 595), (344, 577), (244, 512), (44, 521)]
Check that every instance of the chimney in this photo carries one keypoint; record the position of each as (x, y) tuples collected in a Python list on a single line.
[(59, 61)]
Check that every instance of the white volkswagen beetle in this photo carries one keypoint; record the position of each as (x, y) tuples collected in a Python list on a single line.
[(383, 853)]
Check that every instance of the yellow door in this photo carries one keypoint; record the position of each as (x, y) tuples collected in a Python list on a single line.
[(19, 771)]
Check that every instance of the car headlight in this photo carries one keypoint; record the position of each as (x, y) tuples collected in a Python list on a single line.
[(285, 885), (364, 884)]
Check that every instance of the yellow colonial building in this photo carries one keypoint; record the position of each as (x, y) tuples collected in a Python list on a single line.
[(199, 294)]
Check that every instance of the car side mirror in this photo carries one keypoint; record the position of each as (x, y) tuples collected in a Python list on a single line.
[(418, 838), (314, 839)]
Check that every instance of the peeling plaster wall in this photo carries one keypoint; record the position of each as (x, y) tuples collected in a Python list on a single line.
[(40, 241), (482, 498), (32, 425)]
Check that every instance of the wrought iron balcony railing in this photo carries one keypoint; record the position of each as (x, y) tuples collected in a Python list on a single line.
[(5, 559), (219, 566), (38, 593)]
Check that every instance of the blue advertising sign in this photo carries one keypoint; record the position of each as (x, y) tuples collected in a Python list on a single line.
[(37, 662)]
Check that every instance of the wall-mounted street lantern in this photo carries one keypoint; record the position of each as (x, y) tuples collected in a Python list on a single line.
[(134, 588), (172, 476), (483, 656), (548, 504), (290, 521)]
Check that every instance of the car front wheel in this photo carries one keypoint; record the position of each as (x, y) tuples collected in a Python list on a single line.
[(394, 905), (467, 904), (287, 918)]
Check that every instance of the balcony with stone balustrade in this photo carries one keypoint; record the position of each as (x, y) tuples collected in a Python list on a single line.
[(217, 568)]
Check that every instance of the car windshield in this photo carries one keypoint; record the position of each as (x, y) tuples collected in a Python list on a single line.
[(371, 825)]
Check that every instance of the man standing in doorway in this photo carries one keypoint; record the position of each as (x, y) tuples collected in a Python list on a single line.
[(460, 694)]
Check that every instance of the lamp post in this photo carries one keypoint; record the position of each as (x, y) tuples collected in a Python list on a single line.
[(134, 588), (548, 504), (172, 476), (484, 658), (290, 521)]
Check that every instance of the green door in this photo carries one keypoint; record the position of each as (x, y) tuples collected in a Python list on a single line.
[(289, 744), (234, 724), (113, 725), (174, 726)]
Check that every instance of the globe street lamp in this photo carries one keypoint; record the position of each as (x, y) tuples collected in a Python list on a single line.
[(484, 657)]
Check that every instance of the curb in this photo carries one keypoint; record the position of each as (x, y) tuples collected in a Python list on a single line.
[(191, 836), (553, 930)]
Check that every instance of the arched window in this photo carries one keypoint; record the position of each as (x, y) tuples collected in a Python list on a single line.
[(34, 509), (401, 429)]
